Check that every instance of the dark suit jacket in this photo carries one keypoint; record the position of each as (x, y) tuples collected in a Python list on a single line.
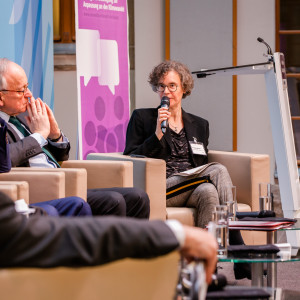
[(5, 163), (142, 140), (49, 241), (22, 149)]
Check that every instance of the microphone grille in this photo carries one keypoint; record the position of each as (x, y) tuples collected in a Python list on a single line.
[(165, 101), (260, 39)]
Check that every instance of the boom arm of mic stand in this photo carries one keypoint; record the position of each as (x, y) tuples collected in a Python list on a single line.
[(204, 75)]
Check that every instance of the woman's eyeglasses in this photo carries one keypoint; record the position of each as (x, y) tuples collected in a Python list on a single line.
[(172, 87)]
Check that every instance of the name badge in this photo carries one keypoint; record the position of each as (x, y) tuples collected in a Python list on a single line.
[(198, 148)]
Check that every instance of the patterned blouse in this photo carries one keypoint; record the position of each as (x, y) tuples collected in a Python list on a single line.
[(180, 159)]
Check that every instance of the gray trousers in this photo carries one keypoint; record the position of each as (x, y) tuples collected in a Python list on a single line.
[(206, 196)]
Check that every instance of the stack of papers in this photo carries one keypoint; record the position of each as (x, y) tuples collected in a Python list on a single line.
[(259, 225)]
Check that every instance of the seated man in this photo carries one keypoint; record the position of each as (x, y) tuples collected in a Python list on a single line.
[(40, 143), (70, 206), (45, 241)]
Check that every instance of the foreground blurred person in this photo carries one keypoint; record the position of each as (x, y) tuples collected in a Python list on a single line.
[(49, 242)]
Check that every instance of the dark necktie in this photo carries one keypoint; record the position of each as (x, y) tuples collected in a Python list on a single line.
[(25, 132)]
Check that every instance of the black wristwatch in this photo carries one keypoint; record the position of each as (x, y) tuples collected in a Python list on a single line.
[(55, 140)]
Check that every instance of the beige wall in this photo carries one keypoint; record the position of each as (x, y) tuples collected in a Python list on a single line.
[(256, 18), (201, 37), (65, 105), (149, 47)]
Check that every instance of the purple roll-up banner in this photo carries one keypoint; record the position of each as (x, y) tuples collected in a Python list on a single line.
[(102, 75)]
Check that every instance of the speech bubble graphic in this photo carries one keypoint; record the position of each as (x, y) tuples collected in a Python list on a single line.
[(88, 54), (109, 64), (96, 57)]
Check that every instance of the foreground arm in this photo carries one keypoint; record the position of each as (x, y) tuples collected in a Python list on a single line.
[(50, 242)]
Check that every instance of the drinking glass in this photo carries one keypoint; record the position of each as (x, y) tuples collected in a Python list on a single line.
[(220, 220), (265, 196), (232, 205)]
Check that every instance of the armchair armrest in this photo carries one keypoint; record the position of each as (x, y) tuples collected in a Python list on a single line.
[(15, 190), (10, 190), (246, 171), (43, 186), (119, 280), (149, 174), (75, 179), (104, 174)]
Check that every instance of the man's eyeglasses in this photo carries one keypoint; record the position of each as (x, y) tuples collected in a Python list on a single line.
[(19, 92), (172, 87)]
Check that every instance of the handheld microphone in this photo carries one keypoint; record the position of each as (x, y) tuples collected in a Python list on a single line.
[(269, 48), (165, 102)]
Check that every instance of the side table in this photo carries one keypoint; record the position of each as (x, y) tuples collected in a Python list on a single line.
[(257, 263), (257, 268)]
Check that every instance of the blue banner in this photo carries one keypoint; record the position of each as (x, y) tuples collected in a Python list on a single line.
[(26, 34)]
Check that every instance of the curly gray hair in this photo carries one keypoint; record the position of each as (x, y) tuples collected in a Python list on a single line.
[(161, 70)]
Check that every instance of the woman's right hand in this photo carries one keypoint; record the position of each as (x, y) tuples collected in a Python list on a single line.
[(163, 115)]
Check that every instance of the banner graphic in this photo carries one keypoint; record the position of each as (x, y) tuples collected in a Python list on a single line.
[(102, 75)]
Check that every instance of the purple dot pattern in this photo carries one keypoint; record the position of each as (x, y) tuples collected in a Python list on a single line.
[(90, 133), (111, 143), (119, 108), (108, 111), (101, 135), (99, 108), (104, 120), (119, 131)]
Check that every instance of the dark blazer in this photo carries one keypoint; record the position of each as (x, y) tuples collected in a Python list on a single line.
[(49, 241), (22, 149), (5, 163), (142, 140)]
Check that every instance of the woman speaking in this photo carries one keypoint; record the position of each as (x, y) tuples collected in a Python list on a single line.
[(181, 139)]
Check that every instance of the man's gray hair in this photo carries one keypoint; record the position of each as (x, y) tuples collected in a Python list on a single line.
[(4, 62)]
